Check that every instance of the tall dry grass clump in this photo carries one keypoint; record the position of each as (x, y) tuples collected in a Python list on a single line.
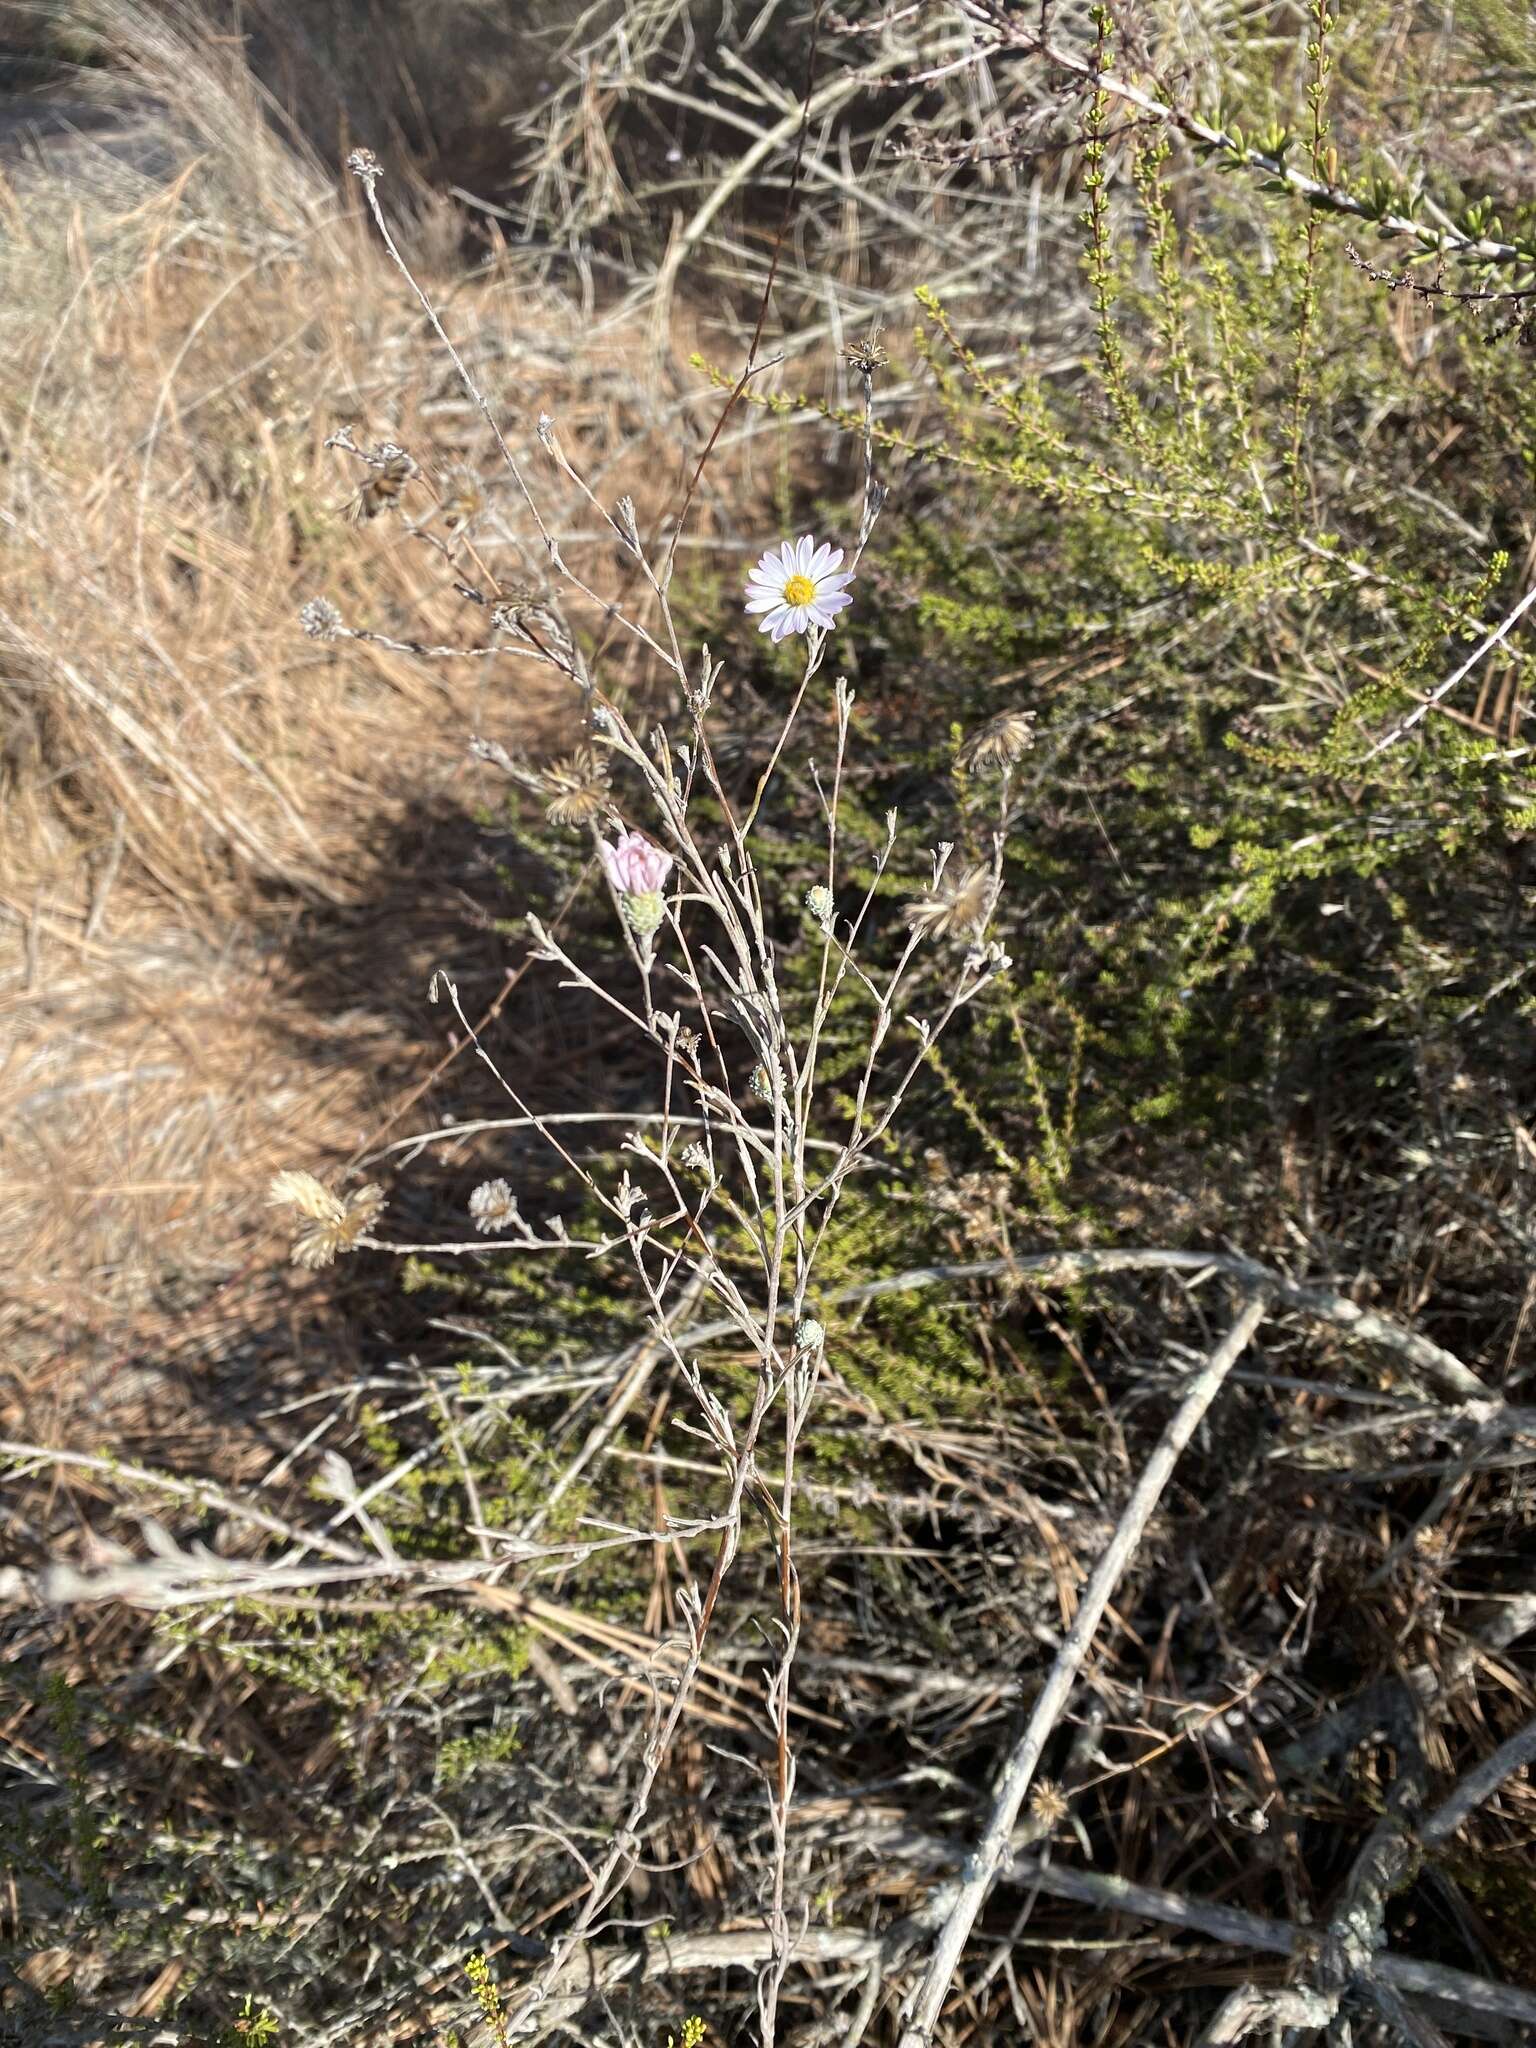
[(188, 309), (176, 350)]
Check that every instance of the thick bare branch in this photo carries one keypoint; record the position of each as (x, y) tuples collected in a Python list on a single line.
[(1017, 1773), (1480, 1784)]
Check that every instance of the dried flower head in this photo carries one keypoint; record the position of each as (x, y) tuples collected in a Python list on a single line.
[(321, 620), (682, 1038), (695, 1159), (866, 355), (463, 498), (977, 1199), (809, 1334), (577, 788), (999, 743), (1048, 1803), (526, 614), (493, 1207), (392, 469), (819, 902), (517, 600), (336, 1221), (362, 163), (957, 908)]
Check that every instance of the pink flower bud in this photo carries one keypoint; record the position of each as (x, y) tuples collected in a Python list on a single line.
[(634, 866)]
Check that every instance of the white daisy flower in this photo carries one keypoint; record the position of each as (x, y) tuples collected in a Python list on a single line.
[(797, 586)]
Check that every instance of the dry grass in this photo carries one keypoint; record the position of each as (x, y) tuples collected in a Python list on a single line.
[(189, 782)]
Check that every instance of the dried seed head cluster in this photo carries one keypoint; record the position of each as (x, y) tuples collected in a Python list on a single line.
[(391, 467), (463, 498), (577, 788), (866, 355), (974, 1199), (514, 602), (493, 1207), (957, 908), (1048, 1803), (996, 745), (321, 620), (392, 470), (336, 1222), (526, 614)]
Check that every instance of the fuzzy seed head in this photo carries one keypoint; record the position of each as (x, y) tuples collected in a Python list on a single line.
[(1047, 1803), (336, 1221), (995, 746), (957, 908), (577, 788), (321, 620), (463, 498), (866, 355), (492, 1207)]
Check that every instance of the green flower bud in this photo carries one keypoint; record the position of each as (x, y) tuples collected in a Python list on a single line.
[(645, 912)]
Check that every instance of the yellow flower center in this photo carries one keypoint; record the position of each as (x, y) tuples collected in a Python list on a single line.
[(799, 590)]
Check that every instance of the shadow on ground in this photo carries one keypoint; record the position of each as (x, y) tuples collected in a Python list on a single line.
[(194, 1379)]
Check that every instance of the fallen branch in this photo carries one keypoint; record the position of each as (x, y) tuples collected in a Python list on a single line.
[(1443, 1369), (1247, 2009), (1017, 1773), (590, 1970), (1357, 1928), (1377, 1706), (1479, 1784), (1450, 1378), (1238, 1929)]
